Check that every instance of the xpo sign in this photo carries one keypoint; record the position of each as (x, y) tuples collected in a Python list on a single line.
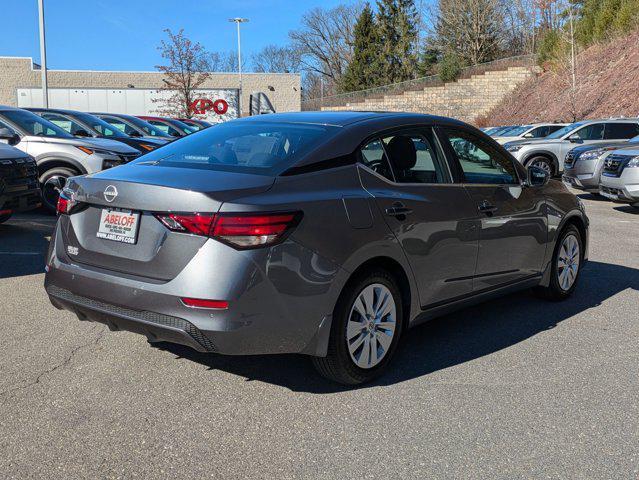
[(202, 105)]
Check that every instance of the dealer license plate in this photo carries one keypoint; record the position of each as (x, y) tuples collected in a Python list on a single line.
[(119, 225)]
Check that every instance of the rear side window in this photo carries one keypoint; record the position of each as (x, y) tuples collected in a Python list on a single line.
[(374, 157), (620, 131), (415, 158), (165, 128), (479, 161), (120, 125), (265, 148)]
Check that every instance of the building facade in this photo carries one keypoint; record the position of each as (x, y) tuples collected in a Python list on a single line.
[(133, 92)]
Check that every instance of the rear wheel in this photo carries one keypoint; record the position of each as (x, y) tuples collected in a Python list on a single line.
[(5, 217), (52, 182), (566, 265), (544, 163), (367, 323)]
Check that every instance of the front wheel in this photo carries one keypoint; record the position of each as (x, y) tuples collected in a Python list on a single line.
[(52, 182), (566, 266), (367, 323), (543, 163)]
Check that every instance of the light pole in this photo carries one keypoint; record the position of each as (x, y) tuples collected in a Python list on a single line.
[(237, 21), (43, 56)]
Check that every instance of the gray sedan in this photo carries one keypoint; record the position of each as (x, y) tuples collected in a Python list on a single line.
[(322, 233)]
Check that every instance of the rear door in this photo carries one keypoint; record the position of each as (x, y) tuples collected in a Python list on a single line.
[(433, 219), (513, 235)]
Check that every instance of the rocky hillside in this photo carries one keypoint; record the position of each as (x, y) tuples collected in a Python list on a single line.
[(607, 86)]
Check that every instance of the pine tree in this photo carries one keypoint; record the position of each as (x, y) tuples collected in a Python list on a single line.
[(398, 28), (363, 70)]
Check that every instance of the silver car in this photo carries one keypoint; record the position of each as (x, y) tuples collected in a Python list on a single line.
[(583, 165), (549, 153), (322, 233), (620, 177), (532, 131), (58, 154)]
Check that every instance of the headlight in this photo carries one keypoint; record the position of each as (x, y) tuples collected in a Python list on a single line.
[(91, 151), (633, 163), (594, 154), (513, 148)]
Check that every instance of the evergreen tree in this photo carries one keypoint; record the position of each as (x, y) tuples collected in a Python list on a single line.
[(363, 70), (397, 21)]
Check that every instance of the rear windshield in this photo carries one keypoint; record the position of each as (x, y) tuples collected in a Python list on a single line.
[(248, 147)]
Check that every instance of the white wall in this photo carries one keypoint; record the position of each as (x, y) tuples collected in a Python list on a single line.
[(129, 101)]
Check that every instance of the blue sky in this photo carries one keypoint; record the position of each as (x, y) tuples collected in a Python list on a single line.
[(124, 34)]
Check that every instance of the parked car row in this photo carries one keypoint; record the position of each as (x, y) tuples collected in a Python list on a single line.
[(66, 143)]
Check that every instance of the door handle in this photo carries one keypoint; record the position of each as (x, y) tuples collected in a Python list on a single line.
[(487, 207), (398, 209)]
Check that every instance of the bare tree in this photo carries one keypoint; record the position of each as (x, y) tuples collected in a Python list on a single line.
[(276, 59), (325, 40), (225, 61), (187, 68), (520, 17)]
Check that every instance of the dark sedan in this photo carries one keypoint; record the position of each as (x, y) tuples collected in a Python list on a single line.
[(327, 234)]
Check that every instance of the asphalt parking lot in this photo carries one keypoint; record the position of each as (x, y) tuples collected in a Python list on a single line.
[(515, 388)]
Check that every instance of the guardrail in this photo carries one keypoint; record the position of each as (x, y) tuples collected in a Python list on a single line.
[(415, 84)]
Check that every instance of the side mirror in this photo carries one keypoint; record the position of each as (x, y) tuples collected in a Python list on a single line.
[(82, 133), (10, 136), (574, 138), (528, 135), (537, 176)]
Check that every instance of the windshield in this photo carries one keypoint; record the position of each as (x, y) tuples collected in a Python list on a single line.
[(100, 126), (501, 130), (31, 124), (258, 148), (516, 131), (567, 129), (149, 129)]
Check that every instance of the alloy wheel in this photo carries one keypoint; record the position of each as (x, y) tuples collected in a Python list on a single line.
[(568, 262), (371, 325), (544, 165), (51, 190)]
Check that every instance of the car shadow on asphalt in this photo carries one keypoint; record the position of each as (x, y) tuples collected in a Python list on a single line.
[(441, 343), (627, 209), (24, 241)]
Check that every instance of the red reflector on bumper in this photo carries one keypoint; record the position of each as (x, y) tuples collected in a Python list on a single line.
[(200, 303)]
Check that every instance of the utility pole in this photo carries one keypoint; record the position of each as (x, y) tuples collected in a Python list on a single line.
[(237, 21), (43, 56)]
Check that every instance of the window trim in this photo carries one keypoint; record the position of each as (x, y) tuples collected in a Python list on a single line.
[(461, 176), (379, 136)]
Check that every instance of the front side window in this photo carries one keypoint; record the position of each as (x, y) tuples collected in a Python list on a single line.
[(100, 126), (539, 132), (591, 132), (479, 161), (621, 131)]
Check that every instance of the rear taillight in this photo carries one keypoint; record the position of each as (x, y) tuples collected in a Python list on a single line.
[(65, 204), (239, 230)]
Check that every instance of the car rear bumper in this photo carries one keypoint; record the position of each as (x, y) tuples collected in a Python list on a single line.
[(274, 307)]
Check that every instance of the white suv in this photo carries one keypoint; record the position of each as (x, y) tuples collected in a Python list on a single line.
[(620, 177), (549, 153)]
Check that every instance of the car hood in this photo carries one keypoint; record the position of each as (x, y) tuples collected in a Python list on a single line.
[(101, 143), (540, 141), (587, 148), (7, 151), (629, 151)]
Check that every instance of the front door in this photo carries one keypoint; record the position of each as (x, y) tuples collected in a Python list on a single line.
[(512, 240), (433, 219)]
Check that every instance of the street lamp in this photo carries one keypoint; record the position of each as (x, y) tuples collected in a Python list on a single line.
[(237, 21), (43, 56)]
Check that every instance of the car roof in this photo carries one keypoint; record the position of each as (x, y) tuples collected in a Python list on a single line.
[(62, 111), (341, 118)]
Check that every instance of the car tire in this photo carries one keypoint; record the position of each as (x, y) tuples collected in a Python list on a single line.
[(544, 163), (49, 181), (5, 217), (558, 289), (344, 363)]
